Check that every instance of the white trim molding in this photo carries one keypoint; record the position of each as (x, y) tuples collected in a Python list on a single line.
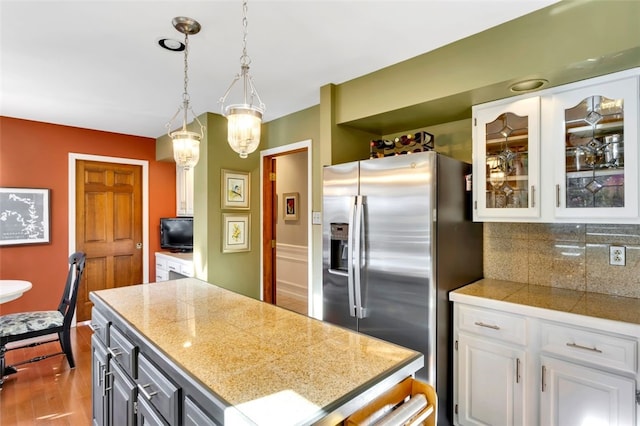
[(292, 266), (305, 144)]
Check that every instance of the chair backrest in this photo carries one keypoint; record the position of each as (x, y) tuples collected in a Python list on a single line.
[(70, 295)]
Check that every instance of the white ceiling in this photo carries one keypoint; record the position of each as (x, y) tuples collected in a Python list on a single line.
[(96, 64)]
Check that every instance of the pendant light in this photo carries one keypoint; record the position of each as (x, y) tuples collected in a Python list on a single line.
[(243, 119), (186, 144)]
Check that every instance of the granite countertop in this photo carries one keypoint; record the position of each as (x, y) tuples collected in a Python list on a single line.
[(266, 361), (616, 308)]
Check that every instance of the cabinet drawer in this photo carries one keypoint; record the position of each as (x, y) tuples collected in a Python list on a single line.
[(161, 263), (100, 326), (173, 266), (497, 325), (147, 415), (156, 388), (195, 416), (123, 351), (590, 346), (186, 270), (162, 275)]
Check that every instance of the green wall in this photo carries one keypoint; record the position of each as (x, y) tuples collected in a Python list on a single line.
[(565, 42)]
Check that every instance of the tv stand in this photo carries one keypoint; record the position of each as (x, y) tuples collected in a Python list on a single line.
[(172, 266)]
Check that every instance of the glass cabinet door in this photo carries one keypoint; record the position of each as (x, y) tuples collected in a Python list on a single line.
[(598, 128), (507, 143)]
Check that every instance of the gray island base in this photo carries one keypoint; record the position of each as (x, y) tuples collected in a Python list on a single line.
[(189, 352)]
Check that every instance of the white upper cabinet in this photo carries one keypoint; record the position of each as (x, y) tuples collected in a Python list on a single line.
[(565, 154), (594, 130), (184, 191), (506, 160)]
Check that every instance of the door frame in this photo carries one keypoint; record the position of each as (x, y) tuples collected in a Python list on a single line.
[(73, 157), (277, 152)]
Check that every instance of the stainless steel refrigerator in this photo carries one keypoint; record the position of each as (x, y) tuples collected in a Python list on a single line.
[(397, 237)]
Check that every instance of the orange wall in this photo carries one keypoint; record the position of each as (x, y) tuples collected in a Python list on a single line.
[(36, 155)]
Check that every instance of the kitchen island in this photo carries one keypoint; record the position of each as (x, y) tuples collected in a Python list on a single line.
[(189, 352)]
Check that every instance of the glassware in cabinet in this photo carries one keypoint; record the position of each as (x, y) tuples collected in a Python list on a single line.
[(506, 159), (599, 128)]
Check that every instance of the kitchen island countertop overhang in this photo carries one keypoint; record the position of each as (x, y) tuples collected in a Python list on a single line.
[(261, 363)]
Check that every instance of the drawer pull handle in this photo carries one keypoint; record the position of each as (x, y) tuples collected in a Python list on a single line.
[(481, 324), (107, 387), (114, 352), (594, 349), (143, 391), (517, 370), (103, 379), (94, 327)]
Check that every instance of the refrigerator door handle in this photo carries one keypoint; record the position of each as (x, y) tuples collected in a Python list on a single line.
[(350, 267), (338, 272), (358, 251)]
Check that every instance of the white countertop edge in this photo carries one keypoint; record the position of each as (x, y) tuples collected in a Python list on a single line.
[(602, 324)]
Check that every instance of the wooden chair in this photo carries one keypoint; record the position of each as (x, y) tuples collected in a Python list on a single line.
[(27, 325)]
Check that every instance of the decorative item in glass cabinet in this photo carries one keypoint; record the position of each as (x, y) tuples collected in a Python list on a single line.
[(506, 158), (594, 161)]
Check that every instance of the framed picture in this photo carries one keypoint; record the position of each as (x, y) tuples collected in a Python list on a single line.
[(24, 216), (290, 206), (235, 189), (236, 232)]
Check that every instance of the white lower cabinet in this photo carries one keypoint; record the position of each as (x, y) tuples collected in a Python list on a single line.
[(533, 366), (172, 266), (490, 381), (575, 395)]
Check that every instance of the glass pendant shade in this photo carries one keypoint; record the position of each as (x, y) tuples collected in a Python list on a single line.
[(244, 122), (243, 119), (186, 148)]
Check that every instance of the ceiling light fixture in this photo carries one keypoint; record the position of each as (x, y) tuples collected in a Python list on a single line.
[(186, 144), (243, 119), (171, 44), (528, 85)]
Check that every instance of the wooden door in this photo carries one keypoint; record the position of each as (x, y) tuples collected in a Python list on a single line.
[(269, 221), (269, 211), (108, 227)]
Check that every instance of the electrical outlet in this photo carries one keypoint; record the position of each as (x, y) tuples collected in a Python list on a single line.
[(617, 255)]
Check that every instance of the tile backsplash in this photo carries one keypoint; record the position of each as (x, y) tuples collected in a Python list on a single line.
[(570, 256)]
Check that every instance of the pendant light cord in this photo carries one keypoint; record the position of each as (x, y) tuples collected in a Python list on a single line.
[(244, 59), (185, 94)]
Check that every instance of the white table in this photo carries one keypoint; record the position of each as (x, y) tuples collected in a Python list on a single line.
[(12, 289)]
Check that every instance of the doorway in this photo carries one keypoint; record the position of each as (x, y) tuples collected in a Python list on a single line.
[(108, 220), (286, 226)]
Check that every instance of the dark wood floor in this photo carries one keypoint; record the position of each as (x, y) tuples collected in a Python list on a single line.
[(48, 392)]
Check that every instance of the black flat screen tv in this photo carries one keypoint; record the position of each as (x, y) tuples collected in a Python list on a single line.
[(176, 234)]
